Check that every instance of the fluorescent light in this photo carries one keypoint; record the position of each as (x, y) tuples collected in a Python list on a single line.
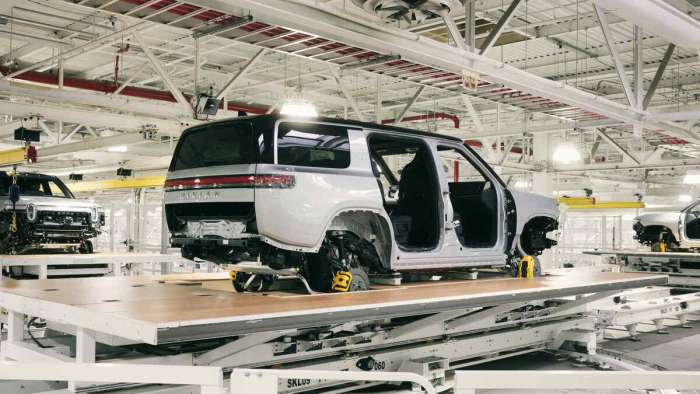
[(521, 184), (685, 198), (566, 153), (118, 149), (691, 179), (298, 107)]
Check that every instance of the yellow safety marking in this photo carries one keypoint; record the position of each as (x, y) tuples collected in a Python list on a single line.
[(341, 281)]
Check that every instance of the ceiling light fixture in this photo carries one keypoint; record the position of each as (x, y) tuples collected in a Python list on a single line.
[(691, 179), (298, 107), (118, 149), (685, 198), (566, 153), (521, 184)]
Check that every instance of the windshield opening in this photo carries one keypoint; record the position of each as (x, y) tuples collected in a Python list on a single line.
[(35, 186)]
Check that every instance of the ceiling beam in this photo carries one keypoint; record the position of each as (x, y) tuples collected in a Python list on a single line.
[(334, 24), (346, 92), (240, 73), (77, 51), (410, 103), (610, 42), (158, 66), (605, 137), (498, 29), (658, 75)]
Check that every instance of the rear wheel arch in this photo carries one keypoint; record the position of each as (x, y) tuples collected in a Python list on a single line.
[(369, 226), (533, 240)]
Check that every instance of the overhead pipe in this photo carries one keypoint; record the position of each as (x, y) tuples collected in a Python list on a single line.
[(436, 115)]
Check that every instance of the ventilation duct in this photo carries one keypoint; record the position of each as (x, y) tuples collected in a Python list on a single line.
[(659, 18), (410, 11)]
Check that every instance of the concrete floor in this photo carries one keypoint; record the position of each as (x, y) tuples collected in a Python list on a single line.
[(677, 350)]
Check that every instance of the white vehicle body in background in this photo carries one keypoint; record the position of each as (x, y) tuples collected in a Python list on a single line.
[(678, 230)]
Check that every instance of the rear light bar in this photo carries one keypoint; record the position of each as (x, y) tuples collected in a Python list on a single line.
[(236, 181)]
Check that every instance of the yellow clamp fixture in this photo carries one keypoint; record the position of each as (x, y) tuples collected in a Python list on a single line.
[(341, 281), (526, 267), (232, 275)]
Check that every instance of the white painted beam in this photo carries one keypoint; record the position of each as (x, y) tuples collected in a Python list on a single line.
[(346, 92), (240, 73), (498, 29), (79, 50), (612, 47), (334, 24), (617, 146), (91, 118), (410, 104), (158, 66)]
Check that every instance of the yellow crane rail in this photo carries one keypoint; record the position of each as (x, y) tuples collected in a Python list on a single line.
[(120, 183)]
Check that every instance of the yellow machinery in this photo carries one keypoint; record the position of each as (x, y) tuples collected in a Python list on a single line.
[(526, 267), (581, 203), (342, 281)]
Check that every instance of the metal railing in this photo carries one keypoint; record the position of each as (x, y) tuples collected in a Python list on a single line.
[(467, 382), (209, 379), (265, 381)]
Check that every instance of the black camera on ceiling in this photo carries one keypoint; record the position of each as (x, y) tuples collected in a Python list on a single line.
[(75, 177), (28, 135), (124, 171)]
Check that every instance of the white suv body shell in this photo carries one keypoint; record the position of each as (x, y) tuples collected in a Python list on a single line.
[(324, 199), (673, 221)]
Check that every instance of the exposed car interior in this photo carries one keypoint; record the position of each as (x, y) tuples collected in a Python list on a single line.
[(407, 179), (473, 199), (692, 223)]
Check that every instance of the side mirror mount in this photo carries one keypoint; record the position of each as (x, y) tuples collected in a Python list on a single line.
[(393, 189)]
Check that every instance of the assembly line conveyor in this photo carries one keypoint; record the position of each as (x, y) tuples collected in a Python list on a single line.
[(429, 328)]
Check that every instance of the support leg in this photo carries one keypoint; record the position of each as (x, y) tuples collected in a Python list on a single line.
[(632, 329), (660, 327), (84, 350), (116, 269), (43, 271), (15, 329), (684, 321)]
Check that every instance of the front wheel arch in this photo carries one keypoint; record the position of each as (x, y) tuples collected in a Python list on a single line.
[(533, 240)]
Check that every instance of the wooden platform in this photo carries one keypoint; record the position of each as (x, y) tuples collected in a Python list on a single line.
[(156, 311)]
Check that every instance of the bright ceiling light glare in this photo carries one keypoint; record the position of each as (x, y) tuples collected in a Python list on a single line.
[(691, 179), (685, 198), (566, 153), (118, 149), (521, 184), (298, 108)]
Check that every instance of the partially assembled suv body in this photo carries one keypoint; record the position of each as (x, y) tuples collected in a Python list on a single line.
[(671, 230), (324, 196), (45, 215)]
